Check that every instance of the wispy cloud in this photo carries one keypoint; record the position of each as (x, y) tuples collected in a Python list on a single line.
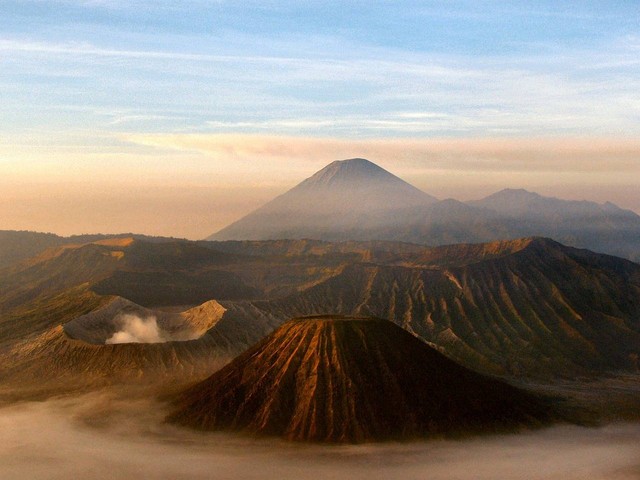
[(361, 93), (129, 119), (483, 155), (88, 49)]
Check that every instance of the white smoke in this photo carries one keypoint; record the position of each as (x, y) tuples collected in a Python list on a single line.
[(135, 329)]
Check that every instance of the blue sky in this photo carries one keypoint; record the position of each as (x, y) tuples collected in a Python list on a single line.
[(148, 91), (348, 69)]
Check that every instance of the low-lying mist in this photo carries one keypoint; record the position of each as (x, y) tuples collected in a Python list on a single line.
[(105, 436)]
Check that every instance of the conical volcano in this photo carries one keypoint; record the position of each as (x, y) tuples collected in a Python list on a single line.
[(346, 379), (360, 174), (346, 199)]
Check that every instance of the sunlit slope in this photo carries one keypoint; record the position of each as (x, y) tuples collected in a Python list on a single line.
[(536, 308), (351, 380), (529, 307)]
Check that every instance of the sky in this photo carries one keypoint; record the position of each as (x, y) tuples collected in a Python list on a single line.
[(175, 118)]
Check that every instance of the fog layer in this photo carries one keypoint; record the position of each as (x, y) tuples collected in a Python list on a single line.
[(100, 436)]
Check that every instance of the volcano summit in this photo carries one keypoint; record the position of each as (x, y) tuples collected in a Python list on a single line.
[(344, 199)]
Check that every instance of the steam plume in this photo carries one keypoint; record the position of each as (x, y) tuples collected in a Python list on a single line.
[(136, 329)]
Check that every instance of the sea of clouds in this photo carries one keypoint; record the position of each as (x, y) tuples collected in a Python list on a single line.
[(106, 436)]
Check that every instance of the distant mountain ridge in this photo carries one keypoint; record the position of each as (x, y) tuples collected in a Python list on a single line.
[(523, 202), (357, 200), (18, 245)]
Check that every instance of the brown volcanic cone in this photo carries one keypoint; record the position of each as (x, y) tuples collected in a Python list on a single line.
[(345, 379)]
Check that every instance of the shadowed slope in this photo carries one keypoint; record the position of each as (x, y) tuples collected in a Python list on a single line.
[(344, 379), (166, 274)]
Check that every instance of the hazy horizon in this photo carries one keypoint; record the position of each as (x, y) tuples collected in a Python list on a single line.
[(177, 118), (194, 212)]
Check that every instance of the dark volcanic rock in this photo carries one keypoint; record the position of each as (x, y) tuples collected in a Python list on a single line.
[(347, 379)]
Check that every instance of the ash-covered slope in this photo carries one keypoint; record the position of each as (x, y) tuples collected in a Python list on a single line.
[(342, 379), (122, 321), (529, 307), (346, 196), (172, 349)]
